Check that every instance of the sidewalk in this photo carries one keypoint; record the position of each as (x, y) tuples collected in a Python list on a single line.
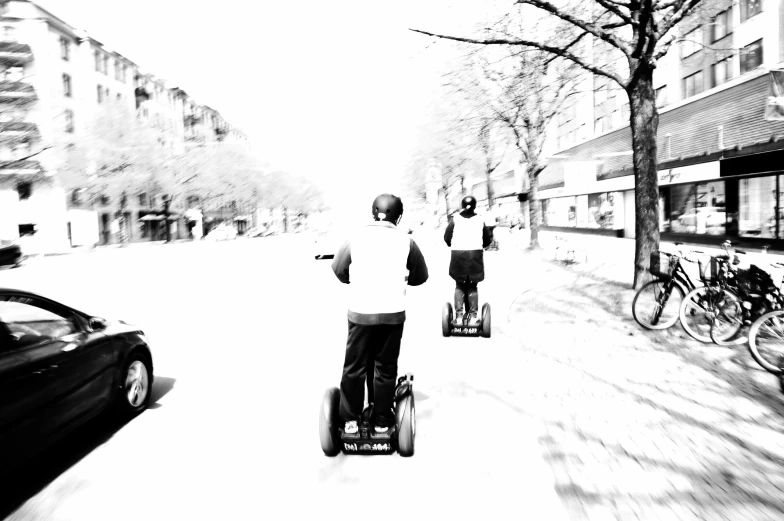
[(640, 424)]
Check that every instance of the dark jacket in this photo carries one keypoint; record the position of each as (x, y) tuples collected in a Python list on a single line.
[(467, 265)]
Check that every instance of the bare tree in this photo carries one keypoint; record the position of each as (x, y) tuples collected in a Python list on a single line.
[(523, 91), (640, 32)]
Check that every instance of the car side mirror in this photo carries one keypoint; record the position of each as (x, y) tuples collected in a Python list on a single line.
[(97, 324)]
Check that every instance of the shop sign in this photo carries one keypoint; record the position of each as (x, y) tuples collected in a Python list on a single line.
[(689, 174)]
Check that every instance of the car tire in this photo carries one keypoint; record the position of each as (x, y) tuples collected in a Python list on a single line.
[(328, 422), (135, 387)]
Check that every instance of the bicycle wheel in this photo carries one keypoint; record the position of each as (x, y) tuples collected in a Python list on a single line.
[(699, 308), (653, 308), (766, 341), (728, 323)]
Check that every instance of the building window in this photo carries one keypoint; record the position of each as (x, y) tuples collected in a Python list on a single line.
[(98, 61), (722, 71), (142, 199), (13, 74), (661, 96), (25, 190), (124, 76), (67, 85), (722, 25), (625, 113), (692, 84), (104, 199), (100, 93), (691, 42), (65, 49), (751, 57), (119, 96), (598, 126), (105, 65), (749, 8), (69, 121), (9, 33), (76, 196), (694, 208), (26, 229)]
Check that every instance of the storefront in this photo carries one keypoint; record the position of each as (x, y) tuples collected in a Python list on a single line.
[(739, 199)]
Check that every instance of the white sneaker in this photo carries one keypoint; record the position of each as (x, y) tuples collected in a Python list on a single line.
[(381, 430), (351, 427)]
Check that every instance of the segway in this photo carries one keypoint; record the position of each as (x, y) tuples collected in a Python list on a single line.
[(399, 437), (451, 327)]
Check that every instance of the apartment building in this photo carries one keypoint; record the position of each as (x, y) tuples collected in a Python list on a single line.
[(721, 162), (54, 81)]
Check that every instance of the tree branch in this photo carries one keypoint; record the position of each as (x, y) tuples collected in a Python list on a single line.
[(537, 45), (9, 163), (585, 26), (681, 9)]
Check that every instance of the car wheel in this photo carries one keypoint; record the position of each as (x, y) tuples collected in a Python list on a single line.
[(133, 395)]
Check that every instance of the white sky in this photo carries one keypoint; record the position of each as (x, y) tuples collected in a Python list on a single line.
[(330, 90)]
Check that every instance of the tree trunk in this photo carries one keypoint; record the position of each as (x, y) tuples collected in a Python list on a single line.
[(534, 206), (490, 192), (644, 125)]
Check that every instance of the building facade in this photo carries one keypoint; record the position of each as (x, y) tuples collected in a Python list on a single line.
[(55, 80), (721, 174)]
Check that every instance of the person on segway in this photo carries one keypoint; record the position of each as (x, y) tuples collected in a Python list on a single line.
[(467, 236), (377, 263)]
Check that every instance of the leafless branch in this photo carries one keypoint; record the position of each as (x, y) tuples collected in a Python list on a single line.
[(30, 156), (544, 47)]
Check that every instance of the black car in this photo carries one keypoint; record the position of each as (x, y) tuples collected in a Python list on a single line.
[(60, 367)]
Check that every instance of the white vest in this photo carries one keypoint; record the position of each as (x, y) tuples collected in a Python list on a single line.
[(378, 272), (467, 233)]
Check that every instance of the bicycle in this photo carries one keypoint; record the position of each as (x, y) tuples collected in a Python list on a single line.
[(766, 342), (759, 295), (649, 307), (700, 306)]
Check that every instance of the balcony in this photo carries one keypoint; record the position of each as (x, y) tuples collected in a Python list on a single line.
[(17, 92), (14, 53), (17, 131), (25, 167)]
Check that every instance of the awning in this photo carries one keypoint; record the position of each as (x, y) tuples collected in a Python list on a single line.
[(152, 217)]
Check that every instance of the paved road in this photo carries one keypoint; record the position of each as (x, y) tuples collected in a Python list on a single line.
[(247, 335)]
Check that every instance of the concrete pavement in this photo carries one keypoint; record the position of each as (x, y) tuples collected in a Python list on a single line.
[(640, 424)]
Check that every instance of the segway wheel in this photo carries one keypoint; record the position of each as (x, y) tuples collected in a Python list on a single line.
[(446, 319), (406, 426), (486, 321), (328, 422)]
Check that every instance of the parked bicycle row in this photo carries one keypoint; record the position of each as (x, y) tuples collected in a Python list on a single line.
[(727, 304)]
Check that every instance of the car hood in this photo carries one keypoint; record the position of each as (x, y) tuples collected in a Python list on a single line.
[(115, 327)]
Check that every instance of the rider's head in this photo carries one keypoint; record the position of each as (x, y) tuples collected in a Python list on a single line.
[(388, 207), (469, 203)]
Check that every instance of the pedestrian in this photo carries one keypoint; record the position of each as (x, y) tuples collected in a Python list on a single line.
[(377, 262), (467, 236)]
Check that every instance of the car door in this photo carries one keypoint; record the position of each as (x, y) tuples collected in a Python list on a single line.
[(24, 394), (74, 366)]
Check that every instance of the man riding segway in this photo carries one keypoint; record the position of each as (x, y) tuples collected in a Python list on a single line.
[(467, 236), (377, 263)]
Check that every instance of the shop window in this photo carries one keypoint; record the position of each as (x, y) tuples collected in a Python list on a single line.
[(25, 190), (601, 210), (749, 8), (722, 24), (722, 71), (751, 57), (698, 208), (757, 207)]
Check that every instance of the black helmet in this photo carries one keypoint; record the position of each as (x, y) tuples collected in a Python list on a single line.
[(468, 202), (387, 207)]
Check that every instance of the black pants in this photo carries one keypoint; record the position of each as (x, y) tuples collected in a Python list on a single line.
[(369, 348), (466, 292)]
